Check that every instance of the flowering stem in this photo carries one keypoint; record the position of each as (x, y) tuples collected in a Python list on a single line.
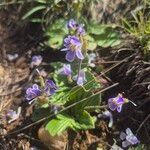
[(80, 63), (96, 107)]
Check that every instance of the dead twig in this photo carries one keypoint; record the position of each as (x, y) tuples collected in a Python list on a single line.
[(143, 122)]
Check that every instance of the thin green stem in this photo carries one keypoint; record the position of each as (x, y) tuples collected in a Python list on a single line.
[(80, 63), (96, 107)]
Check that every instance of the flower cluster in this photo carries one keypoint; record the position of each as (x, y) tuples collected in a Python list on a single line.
[(128, 138), (80, 78), (116, 103), (78, 28), (72, 43), (35, 91), (73, 47)]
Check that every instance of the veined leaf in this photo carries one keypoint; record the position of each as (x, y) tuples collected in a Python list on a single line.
[(63, 122), (104, 36), (59, 125), (77, 94), (84, 121)]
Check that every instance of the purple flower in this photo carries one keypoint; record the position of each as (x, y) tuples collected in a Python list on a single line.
[(129, 138), (36, 60), (73, 47), (33, 92), (80, 29), (81, 78), (50, 87), (66, 70), (117, 102), (72, 24), (13, 115)]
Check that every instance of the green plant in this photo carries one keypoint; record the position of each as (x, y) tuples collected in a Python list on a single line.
[(47, 11), (97, 35), (77, 117), (139, 26), (75, 82), (139, 147)]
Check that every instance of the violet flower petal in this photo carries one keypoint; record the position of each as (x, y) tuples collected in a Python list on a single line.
[(119, 100), (132, 139), (111, 104), (75, 41), (129, 132), (80, 29), (70, 56), (125, 143), (79, 54), (71, 24), (66, 70), (81, 78), (33, 92), (122, 136), (50, 87), (119, 108), (73, 47)]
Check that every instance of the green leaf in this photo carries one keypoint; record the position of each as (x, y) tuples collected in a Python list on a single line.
[(103, 35), (109, 39), (57, 25), (96, 29), (84, 121), (60, 124), (139, 147), (41, 1), (79, 93), (92, 46), (56, 42), (75, 95), (33, 10), (92, 82), (91, 42), (56, 33), (63, 121)]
